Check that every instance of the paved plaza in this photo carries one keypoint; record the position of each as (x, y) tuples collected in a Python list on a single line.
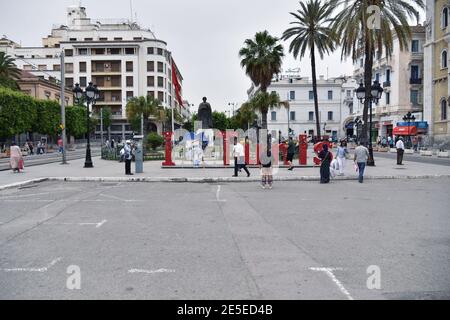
[(301, 240)]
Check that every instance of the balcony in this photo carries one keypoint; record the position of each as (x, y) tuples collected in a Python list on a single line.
[(386, 84), (415, 81)]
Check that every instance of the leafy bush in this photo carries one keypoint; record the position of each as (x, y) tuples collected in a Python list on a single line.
[(154, 140)]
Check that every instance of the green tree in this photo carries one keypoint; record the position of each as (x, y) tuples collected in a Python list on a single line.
[(220, 121), (312, 32), (17, 112), (146, 106), (262, 101), (262, 59), (358, 37), (76, 121), (48, 117), (245, 116), (154, 140), (8, 72)]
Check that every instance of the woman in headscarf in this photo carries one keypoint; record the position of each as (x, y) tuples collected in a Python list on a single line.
[(15, 157), (326, 157)]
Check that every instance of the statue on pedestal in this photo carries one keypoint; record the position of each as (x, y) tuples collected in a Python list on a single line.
[(205, 114)]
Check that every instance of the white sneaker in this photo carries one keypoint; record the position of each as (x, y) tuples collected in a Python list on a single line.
[(270, 187), (263, 186)]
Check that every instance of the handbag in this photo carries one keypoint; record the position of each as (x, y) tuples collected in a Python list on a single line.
[(355, 166), (20, 166)]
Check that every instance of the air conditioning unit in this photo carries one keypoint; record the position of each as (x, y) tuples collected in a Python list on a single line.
[(108, 78), (106, 65)]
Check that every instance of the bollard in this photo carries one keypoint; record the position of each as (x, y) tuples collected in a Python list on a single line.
[(168, 140), (226, 151)]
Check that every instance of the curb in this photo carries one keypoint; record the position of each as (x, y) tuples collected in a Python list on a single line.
[(208, 180)]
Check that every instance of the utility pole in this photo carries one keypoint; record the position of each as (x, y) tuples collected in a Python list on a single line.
[(101, 127), (63, 109)]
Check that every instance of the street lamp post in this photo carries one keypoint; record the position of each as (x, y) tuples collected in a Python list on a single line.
[(409, 117), (375, 95), (91, 94), (358, 123)]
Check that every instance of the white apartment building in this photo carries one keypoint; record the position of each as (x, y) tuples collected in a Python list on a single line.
[(401, 76), (335, 104), (121, 58)]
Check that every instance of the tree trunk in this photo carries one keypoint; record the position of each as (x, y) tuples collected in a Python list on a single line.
[(316, 100), (368, 64), (264, 120)]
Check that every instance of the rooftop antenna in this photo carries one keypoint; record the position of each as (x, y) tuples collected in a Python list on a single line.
[(131, 10)]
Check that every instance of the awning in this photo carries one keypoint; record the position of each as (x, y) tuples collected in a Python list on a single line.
[(405, 131)]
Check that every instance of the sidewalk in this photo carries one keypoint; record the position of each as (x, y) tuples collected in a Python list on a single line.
[(105, 170)]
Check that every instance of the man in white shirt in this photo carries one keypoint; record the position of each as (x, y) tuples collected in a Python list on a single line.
[(239, 158), (400, 150)]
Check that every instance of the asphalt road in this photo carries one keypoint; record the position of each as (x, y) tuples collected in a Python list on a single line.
[(414, 158), (232, 241), (35, 160)]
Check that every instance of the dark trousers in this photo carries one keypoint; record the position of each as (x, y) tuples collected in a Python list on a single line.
[(127, 166), (239, 165), (400, 155)]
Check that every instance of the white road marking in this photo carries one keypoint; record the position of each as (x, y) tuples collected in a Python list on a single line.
[(151, 271), (97, 224), (218, 195), (119, 199), (329, 272), (43, 269)]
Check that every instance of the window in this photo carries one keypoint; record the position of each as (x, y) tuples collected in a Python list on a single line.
[(414, 72), (377, 77), (160, 66), (68, 67), (273, 116), (443, 109), (114, 50), (150, 66), (361, 63), (129, 50), (160, 82), (129, 95), (88, 39), (415, 46), (160, 96), (137, 38), (388, 75), (349, 93), (311, 116), (330, 115), (82, 66), (414, 97), (160, 51), (311, 95), (151, 50), (73, 39), (117, 39), (444, 18), (129, 81), (151, 94), (150, 81), (82, 52), (330, 95), (69, 82), (103, 39), (388, 98), (42, 67), (48, 94), (68, 52), (292, 95), (56, 67), (129, 66), (444, 59), (83, 81), (49, 56), (98, 51), (292, 116)]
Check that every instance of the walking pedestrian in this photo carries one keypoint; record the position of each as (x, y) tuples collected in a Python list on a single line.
[(400, 151), (31, 147), (326, 156), (16, 159), (60, 145), (361, 156), (239, 158), (112, 144), (390, 142), (266, 161), (290, 153), (341, 156), (128, 156)]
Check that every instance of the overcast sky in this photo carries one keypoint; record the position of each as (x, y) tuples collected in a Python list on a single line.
[(204, 36)]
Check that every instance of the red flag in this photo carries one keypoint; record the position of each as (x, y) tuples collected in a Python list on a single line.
[(176, 84)]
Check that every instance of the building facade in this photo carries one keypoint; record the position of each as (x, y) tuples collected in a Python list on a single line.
[(121, 58), (437, 85), (401, 77), (335, 104)]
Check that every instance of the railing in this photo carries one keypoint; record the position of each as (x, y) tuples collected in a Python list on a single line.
[(415, 81), (386, 84)]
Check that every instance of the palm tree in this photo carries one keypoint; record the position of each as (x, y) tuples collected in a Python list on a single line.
[(311, 31), (246, 115), (261, 58), (145, 107), (8, 71), (358, 36)]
